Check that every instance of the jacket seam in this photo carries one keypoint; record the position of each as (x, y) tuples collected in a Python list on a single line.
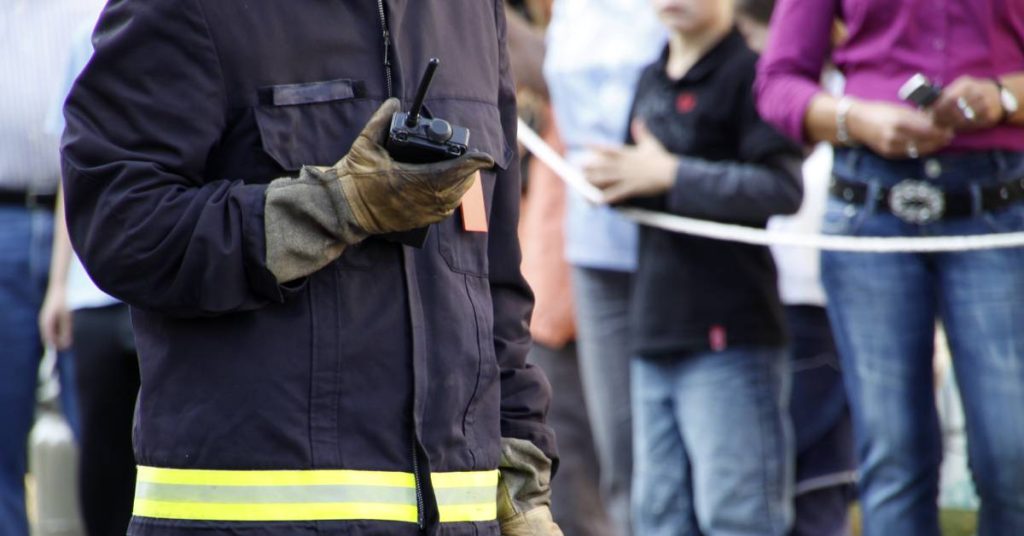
[(467, 416), (216, 54)]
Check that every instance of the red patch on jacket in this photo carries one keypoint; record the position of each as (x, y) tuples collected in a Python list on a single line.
[(686, 102)]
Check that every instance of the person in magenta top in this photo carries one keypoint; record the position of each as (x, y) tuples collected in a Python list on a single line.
[(949, 166)]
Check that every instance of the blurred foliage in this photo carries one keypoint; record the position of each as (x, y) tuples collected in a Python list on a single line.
[(953, 522)]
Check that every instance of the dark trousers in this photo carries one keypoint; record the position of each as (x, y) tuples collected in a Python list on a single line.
[(575, 497), (825, 459), (107, 377)]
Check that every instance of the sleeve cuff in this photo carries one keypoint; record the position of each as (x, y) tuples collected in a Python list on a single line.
[(261, 279)]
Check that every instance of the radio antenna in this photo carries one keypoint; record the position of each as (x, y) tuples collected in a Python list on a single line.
[(417, 105)]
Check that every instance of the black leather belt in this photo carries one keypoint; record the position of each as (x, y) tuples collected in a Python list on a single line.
[(921, 202), (28, 199)]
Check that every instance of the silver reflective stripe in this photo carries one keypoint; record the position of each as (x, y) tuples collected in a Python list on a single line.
[(304, 494), (465, 495), (275, 494)]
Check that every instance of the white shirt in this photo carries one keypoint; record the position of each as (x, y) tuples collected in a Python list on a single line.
[(595, 52), (799, 271), (35, 36)]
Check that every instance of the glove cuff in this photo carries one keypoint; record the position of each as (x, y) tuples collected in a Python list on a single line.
[(307, 223), (525, 478)]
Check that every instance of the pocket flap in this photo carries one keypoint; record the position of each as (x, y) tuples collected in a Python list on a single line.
[(329, 90), (311, 124)]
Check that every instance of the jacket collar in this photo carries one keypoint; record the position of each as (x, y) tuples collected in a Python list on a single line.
[(711, 60)]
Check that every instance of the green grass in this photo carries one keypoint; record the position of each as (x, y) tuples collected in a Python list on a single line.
[(953, 522)]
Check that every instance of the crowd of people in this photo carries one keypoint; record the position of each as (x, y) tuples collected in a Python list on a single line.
[(249, 344), (872, 432)]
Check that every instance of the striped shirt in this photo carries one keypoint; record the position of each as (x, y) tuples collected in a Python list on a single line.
[(35, 40)]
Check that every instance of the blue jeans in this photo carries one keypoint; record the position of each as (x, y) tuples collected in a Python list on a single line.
[(713, 445), (602, 307), (25, 242), (883, 309)]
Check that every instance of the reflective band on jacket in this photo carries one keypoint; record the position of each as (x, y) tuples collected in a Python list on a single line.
[(310, 495)]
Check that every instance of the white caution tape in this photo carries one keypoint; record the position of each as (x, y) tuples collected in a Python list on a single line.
[(750, 235)]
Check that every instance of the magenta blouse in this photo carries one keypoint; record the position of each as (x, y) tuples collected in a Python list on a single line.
[(889, 41)]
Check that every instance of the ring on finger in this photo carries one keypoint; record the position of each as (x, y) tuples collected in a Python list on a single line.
[(965, 109)]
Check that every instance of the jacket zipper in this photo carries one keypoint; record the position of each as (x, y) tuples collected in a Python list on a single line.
[(386, 35), (387, 45), (419, 487)]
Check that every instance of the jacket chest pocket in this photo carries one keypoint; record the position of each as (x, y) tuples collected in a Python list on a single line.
[(466, 251), (311, 123)]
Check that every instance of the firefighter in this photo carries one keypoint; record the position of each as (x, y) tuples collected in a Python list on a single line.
[(301, 373)]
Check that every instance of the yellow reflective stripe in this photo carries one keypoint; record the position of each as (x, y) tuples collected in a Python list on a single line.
[(230, 495), (314, 477), (467, 479), (275, 512), (456, 513)]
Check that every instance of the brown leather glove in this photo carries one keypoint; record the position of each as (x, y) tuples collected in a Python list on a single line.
[(524, 490), (311, 219)]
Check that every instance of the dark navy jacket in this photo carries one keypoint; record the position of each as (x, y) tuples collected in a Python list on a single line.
[(173, 131)]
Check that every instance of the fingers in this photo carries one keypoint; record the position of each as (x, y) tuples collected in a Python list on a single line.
[(962, 112), (450, 171), (48, 330), (477, 160), (602, 172), (447, 181), (968, 104), (604, 151), (55, 328), (947, 114), (377, 127), (639, 131), (905, 147), (618, 191), (64, 332), (451, 195), (912, 134), (605, 173)]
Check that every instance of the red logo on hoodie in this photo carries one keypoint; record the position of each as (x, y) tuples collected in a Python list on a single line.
[(686, 102)]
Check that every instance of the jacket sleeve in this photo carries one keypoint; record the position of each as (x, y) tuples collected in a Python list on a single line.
[(149, 224), (525, 392), (737, 191), (789, 70)]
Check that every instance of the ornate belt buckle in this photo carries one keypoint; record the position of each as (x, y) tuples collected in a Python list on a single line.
[(916, 202)]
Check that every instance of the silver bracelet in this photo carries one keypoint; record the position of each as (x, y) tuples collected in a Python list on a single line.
[(842, 130)]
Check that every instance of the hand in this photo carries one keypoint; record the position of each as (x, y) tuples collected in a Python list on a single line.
[(55, 320), (633, 170), (895, 131), (310, 220), (524, 490), (979, 95), (387, 196)]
